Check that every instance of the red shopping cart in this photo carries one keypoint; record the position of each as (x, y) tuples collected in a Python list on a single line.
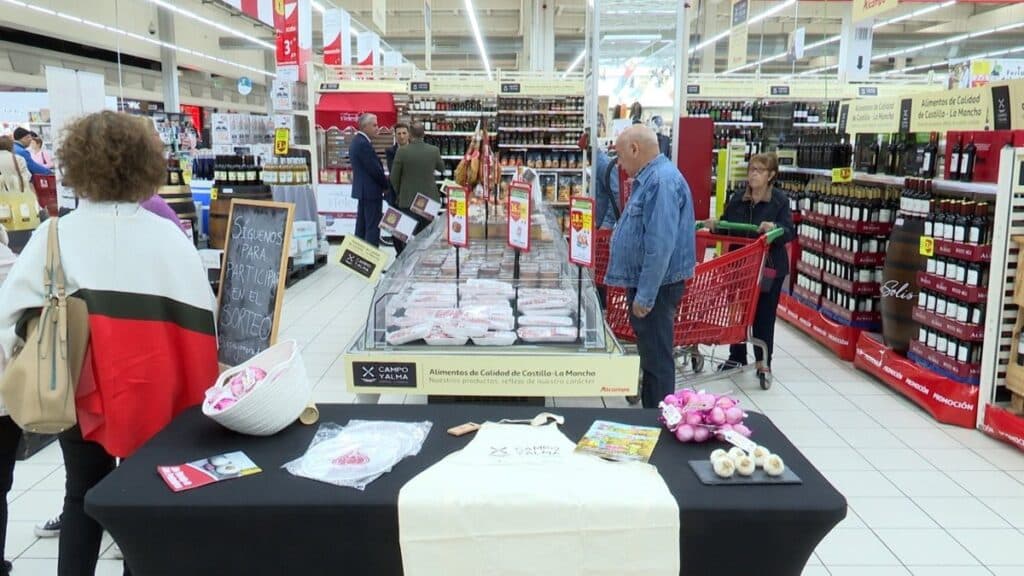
[(719, 303)]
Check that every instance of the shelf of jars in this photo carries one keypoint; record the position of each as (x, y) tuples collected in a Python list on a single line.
[(454, 113), (543, 112)]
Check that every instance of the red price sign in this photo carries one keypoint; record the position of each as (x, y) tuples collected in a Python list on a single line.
[(581, 231), (519, 216)]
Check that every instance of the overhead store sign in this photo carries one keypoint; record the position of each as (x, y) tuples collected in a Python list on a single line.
[(855, 50), (455, 86), (877, 115), (738, 33), (293, 22), (262, 10), (337, 37), (368, 49), (863, 9), (969, 109), (1008, 99)]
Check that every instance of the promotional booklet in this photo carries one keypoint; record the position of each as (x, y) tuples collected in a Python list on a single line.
[(614, 441), (207, 471)]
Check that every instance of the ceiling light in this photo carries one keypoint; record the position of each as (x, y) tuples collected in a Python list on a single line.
[(202, 19), (631, 37), (950, 40), (139, 37), (479, 39), (914, 14), (574, 64), (714, 39)]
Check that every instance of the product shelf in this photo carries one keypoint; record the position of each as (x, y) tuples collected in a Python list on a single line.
[(950, 367), (453, 113), (948, 401), (850, 287), (940, 184), (446, 133), (543, 112), (451, 157), (539, 146), (839, 338), (968, 294), (860, 227), (512, 170), (861, 320), (968, 252), (807, 297), (811, 244), (855, 258), (818, 125), (816, 218), (577, 129), (812, 272), (960, 330)]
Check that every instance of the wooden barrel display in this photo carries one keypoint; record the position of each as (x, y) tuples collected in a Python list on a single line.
[(903, 261)]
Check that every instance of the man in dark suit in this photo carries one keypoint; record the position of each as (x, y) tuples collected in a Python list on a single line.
[(401, 139), (368, 180), (413, 173)]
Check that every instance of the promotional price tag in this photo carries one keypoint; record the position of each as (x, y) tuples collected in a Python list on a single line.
[(399, 224), (519, 216), (362, 258), (425, 206), (581, 231), (740, 441), (842, 175), (927, 246), (458, 217), (281, 138)]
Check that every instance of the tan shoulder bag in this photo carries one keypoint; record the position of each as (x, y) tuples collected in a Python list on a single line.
[(38, 387)]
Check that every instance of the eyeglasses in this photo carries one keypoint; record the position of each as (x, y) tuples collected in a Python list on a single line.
[(758, 170)]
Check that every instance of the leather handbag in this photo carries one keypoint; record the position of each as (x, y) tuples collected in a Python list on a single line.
[(38, 387)]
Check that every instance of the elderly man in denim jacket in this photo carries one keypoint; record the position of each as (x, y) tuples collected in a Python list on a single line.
[(653, 254)]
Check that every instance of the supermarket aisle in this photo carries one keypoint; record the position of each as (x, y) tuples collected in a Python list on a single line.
[(925, 499)]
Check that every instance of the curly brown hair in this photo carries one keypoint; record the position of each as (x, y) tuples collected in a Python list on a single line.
[(6, 143), (112, 157)]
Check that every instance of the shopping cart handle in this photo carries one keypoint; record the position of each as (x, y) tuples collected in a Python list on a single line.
[(741, 227)]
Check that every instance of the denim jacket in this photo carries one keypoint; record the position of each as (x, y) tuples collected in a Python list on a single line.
[(653, 242)]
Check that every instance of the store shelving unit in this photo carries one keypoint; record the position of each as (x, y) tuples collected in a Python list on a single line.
[(939, 184), (437, 110)]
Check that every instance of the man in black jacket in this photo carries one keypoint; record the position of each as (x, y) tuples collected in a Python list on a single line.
[(368, 180)]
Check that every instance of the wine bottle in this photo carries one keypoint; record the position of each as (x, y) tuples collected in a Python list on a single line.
[(930, 152), (967, 159), (891, 163), (873, 153)]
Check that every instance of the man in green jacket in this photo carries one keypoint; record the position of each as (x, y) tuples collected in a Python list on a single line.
[(413, 173)]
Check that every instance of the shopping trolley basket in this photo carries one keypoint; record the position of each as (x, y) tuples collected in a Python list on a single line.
[(718, 304)]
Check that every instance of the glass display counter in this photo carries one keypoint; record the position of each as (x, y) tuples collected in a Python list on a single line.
[(462, 322)]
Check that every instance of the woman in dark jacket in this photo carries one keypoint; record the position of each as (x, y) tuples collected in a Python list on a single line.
[(763, 205)]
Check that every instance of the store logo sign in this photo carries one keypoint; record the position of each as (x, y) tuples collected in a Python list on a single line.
[(384, 374), (1001, 107)]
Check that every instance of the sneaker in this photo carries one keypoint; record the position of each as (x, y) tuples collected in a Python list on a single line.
[(48, 529)]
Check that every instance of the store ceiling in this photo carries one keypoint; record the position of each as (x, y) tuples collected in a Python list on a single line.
[(645, 29)]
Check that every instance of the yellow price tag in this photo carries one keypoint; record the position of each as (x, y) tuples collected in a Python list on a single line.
[(842, 175), (927, 246), (281, 138)]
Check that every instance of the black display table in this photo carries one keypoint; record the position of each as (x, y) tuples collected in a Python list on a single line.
[(274, 523)]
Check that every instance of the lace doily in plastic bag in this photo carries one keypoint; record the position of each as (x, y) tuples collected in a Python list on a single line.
[(360, 452)]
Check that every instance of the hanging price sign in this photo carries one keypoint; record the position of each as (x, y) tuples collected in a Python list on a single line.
[(581, 231), (519, 216), (844, 174), (927, 246), (458, 221), (281, 138)]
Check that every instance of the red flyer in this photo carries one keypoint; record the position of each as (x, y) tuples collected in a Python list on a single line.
[(207, 471)]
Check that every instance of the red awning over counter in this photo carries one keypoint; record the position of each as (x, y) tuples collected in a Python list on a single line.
[(341, 110)]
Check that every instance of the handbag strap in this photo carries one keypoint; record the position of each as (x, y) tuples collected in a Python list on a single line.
[(53, 274)]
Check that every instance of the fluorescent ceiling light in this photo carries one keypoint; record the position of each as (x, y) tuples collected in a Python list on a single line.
[(914, 14), (203, 20), (767, 13), (575, 63), (631, 37), (946, 41), (479, 39), (138, 37)]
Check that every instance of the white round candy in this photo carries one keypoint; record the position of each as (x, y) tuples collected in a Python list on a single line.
[(735, 453), (745, 465), (724, 467), (774, 466)]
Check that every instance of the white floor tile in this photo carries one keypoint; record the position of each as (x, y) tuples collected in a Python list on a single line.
[(19, 538), (955, 459), (28, 475), (808, 437), (997, 484), (35, 505), (49, 455), (854, 548), (868, 484), (924, 485), (833, 403), (1003, 457), (870, 438), (846, 419), (866, 571), (827, 459), (110, 568), (920, 438), (890, 513), (1015, 570), (972, 438), (895, 459), (815, 571), (795, 419), (35, 566), (949, 571), (992, 547), (43, 548), (903, 418), (926, 547), (961, 513), (1010, 509)]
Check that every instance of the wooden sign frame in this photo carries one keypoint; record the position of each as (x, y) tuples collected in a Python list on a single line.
[(282, 272)]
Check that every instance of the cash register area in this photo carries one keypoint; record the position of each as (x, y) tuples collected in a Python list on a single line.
[(965, 517)]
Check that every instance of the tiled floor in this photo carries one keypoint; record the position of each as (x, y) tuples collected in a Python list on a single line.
[(925, 499)]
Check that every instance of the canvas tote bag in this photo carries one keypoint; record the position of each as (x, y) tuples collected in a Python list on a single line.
[(38, 387)]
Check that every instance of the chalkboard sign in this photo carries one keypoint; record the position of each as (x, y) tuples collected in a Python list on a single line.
[(252, 278)]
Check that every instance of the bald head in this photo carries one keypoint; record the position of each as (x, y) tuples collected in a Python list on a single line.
[(636, 146)]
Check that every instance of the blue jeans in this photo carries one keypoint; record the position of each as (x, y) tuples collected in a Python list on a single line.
[(654, 341)]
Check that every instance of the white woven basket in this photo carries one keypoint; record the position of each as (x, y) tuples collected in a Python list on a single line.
[(276, 401)]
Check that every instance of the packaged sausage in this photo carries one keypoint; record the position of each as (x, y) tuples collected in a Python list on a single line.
[(547, 334), (498, 338), (437, 337), (411, 334), (539, 320)]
